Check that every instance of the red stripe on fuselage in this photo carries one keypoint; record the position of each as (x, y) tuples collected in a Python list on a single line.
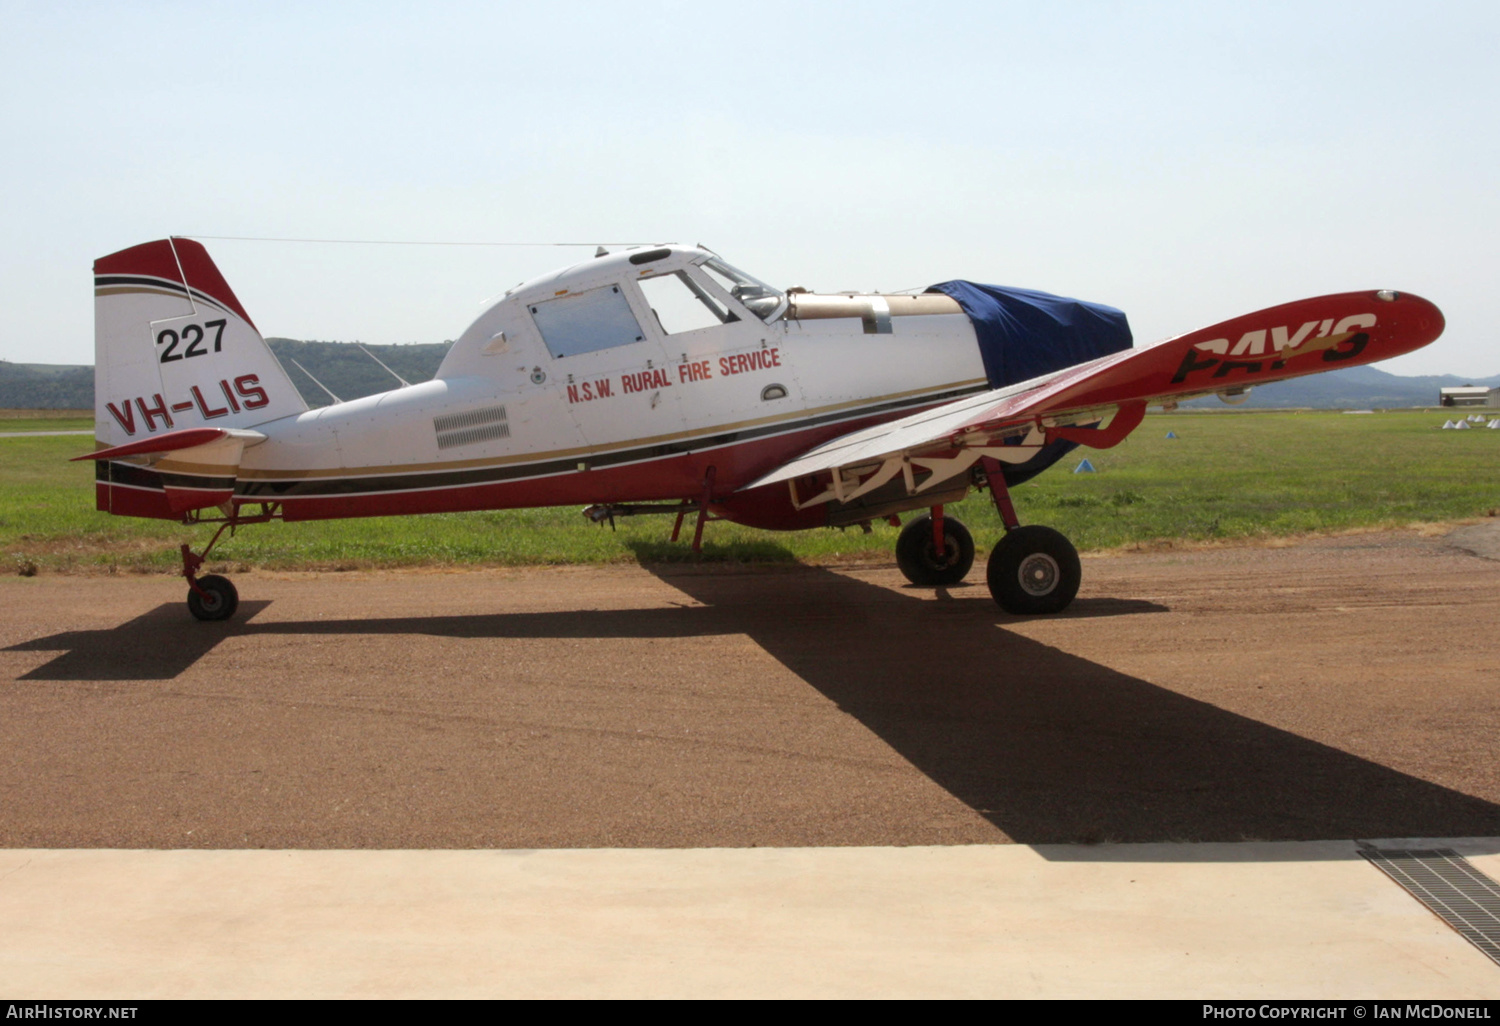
[(129, 501), (661, 480)]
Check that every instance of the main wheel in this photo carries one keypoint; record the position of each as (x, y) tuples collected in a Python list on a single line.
[(917, 556), (219, 601), (1034, 570)]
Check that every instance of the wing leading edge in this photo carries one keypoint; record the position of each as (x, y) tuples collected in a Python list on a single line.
[(1100, 402)]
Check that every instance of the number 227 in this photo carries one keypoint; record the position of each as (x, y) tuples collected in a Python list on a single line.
[(194, 336)]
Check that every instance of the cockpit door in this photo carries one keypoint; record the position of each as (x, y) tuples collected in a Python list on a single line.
[(612, 372), (725, 361)]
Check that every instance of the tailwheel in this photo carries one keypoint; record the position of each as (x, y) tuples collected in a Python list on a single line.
[(1034, 570), (212, 598), (918, 557)]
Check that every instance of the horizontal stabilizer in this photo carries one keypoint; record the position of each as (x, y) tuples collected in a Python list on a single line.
[(198, 467), (174, 441)]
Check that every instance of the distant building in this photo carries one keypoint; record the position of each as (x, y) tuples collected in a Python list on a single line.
[(1470, 395)]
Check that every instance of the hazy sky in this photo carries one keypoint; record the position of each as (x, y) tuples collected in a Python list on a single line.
[(1187, 162)]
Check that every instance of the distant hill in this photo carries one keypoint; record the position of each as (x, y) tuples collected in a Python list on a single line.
[(1358, 388), (46, 386), (351, 374)]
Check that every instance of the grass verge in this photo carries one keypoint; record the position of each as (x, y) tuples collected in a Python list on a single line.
[(1225, 477)]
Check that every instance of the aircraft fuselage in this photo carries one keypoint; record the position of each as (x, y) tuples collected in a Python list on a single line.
[(622, 379)]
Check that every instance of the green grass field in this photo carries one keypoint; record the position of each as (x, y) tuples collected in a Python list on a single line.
[(1226, 476), (9, 424)]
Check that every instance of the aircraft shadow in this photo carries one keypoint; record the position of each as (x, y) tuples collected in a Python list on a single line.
[(662, 551), (1080, 609), (1049, 747), (1056, 749), (153, 646)]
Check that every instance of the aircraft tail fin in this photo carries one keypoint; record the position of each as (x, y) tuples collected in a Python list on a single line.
[(173, 348)]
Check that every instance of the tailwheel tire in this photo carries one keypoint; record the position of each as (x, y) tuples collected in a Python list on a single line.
[(1034, 570), (917, 556), (219, 601)]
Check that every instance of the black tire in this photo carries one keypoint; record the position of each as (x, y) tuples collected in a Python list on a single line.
[(1034, 570), (219, 603), (917, 556)]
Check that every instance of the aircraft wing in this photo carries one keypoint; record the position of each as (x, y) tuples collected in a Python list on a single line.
[(1100, 402)]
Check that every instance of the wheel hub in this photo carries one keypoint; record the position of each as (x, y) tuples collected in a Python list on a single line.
[(1039, 574), (949, 556)]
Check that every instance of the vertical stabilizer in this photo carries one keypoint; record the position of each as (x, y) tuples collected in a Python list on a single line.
[(174, 349)]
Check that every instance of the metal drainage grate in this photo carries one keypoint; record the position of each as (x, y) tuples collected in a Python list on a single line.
[(1446, 883)]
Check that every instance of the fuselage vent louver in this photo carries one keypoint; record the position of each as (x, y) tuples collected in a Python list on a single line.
[(471, 426)]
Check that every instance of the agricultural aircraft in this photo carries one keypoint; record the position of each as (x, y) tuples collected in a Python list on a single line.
[(662, 379)]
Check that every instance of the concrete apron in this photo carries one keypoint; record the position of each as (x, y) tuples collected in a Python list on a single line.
[(1255, 920)]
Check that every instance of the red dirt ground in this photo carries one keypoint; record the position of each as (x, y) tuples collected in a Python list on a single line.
[(1335, 688)]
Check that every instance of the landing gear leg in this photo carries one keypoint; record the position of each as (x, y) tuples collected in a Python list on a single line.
[(211, 597), (1032, 570), (682, 511), (703, 517), (935, 550)]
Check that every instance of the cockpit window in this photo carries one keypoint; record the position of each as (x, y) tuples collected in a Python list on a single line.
[(759, 298), (586, 322), (681, 304)]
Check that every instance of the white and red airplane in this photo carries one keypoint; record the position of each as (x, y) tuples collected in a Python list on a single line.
[(661, 379)]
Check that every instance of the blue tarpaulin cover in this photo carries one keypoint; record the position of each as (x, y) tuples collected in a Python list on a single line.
[(1024, 334)]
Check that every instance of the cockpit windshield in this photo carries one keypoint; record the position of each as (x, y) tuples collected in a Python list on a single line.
[(758, 297)]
